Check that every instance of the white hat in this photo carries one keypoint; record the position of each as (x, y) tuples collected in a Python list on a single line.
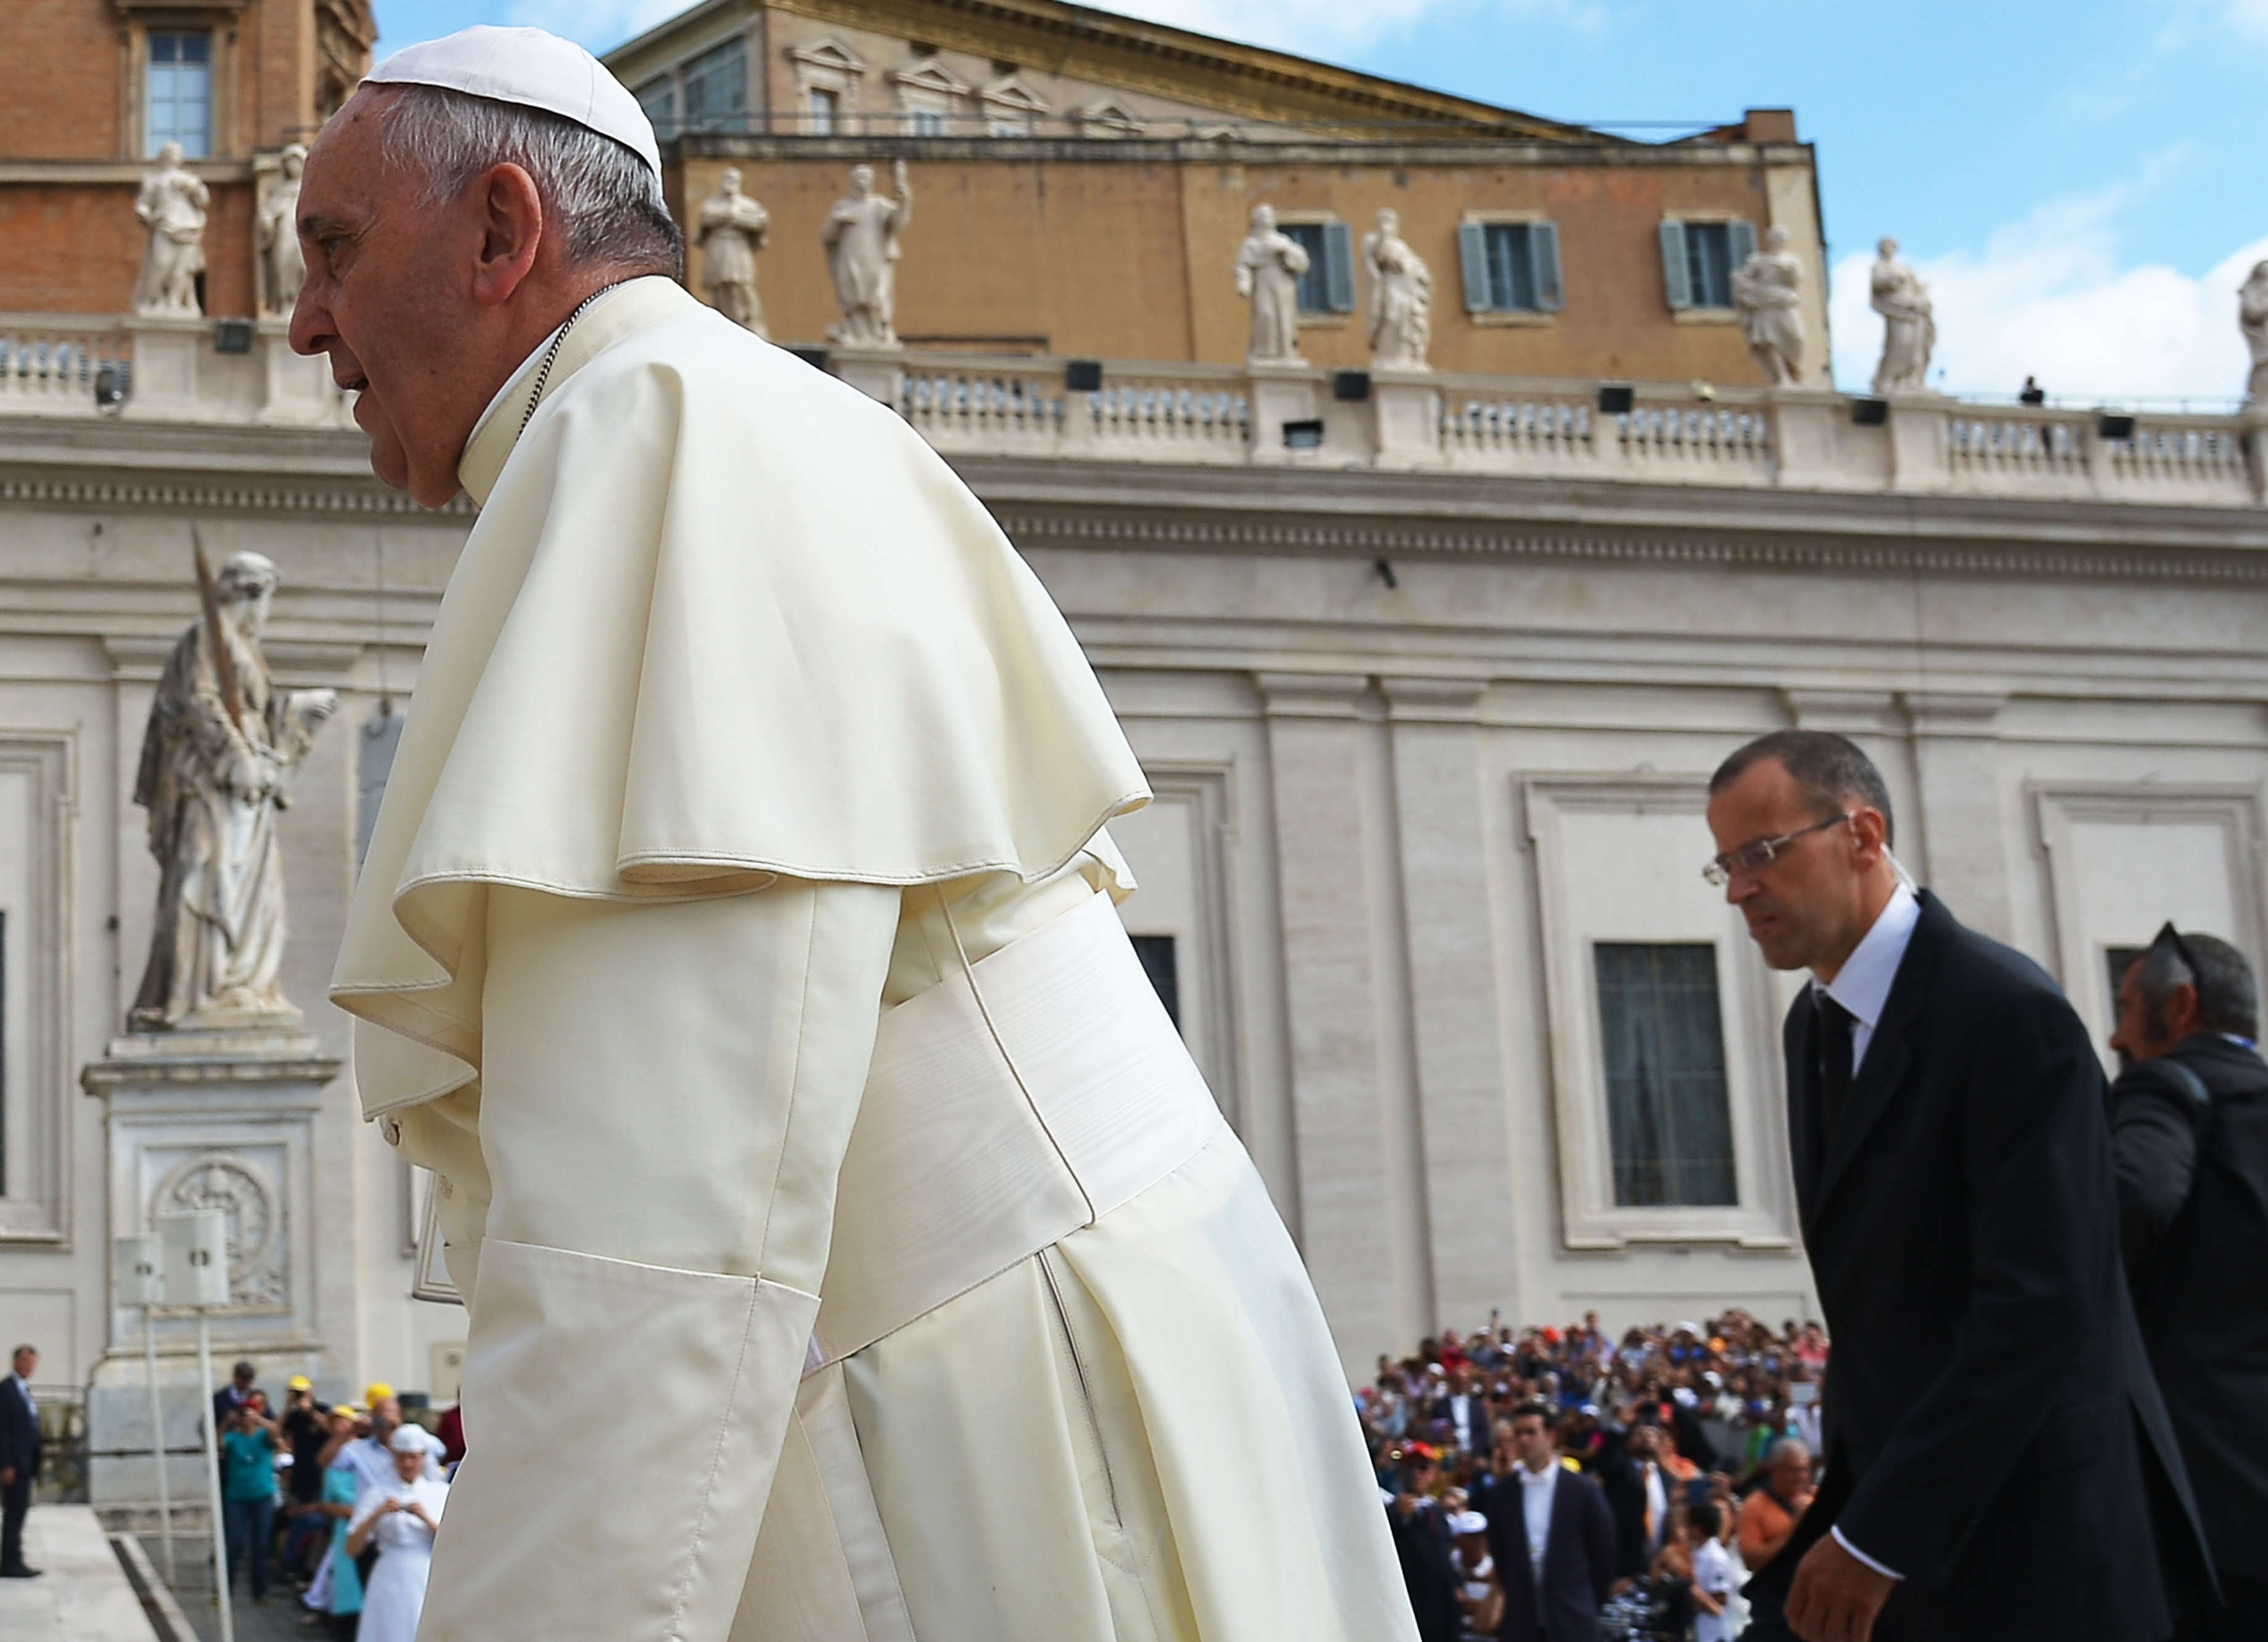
[(408, 1439), (1468, 1522), (534, 68)]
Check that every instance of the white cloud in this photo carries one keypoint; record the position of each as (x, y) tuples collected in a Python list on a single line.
[(2250, 16), (2049, 299), (596, 25)]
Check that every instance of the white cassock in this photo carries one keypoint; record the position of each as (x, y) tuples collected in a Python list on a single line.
[(396, 1592), (736, 942)]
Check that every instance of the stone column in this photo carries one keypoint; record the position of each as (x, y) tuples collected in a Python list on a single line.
[(1964, 846), (1406, 418), (877, 372), (1355, 1124), (1281, 394), (209, 1120), (1453, 987)]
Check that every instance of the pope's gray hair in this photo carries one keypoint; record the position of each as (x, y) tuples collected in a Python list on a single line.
[(605, 198)]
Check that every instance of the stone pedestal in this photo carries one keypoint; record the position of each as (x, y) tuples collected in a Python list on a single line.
[(1919, 458), (299, 390), (179, 376), (207, 1120), (1282, 393), (1406, 418), (877, 372)]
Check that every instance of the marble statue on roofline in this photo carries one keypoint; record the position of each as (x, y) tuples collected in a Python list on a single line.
[(275, 234), (861, 238), (732, 229), (1269, 264), (216, 758), (1768, 292), (172, 206), (1401, 298), (1909, 330), (2252, 320)]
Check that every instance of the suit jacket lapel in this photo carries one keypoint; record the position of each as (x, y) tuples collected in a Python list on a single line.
[(1803, 1104), (1889, 1054)]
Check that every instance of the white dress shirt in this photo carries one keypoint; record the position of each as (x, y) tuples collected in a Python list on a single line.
[(24, 1390), (1535, 1490), (1862, 986)]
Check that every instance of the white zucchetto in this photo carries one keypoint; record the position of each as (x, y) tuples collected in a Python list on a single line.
[(533, 68)]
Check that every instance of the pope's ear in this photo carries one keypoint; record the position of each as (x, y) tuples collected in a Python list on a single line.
[(511, 231)]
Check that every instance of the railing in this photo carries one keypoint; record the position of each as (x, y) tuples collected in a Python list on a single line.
[(62, 366), (1293, 415)]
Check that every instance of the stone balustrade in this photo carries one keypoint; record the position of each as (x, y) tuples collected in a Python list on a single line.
[(1293, 415)]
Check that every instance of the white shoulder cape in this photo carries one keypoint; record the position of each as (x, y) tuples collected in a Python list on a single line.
[(721, 618)]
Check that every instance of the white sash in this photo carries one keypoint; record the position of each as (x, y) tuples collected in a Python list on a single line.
[(1007, 1107)]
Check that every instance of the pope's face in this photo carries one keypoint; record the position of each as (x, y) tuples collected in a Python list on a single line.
[(386, 297)]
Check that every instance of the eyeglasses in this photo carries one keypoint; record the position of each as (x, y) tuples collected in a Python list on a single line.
[(1757, 855)]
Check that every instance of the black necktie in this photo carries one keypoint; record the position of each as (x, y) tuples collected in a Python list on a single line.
[(1834, 1068)]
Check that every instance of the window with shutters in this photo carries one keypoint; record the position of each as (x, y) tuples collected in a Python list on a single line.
[(1327, 288), (1697, 259), (1511, 265), (717, 88), (1668, 1111), (179, 109)]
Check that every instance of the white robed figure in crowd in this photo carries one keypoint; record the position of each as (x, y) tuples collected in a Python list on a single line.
[(218, 754), (736, 943), (401, 1517), (1269, 264)]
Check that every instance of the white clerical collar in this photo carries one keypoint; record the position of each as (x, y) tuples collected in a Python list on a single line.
[(518, 378), (1543, 1478), (1862, 985)]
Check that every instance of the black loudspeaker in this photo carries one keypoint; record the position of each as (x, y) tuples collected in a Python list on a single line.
[(232, 335), (1303, 436), (1616, 398), (1351, 387), (2112, 425), (1870, 413), (1082, 376)]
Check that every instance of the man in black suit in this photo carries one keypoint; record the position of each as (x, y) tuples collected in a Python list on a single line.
[(19, 1461), (1990, 1418), (2189, 1135), (1638, 1492), (1551, 1538)]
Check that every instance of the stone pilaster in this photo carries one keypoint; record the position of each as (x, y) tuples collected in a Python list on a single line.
[(1964, 846)]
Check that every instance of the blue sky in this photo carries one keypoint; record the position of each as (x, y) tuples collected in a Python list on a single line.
[(2083, 185)]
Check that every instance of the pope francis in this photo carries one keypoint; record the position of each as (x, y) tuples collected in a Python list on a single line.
[(737, 943)]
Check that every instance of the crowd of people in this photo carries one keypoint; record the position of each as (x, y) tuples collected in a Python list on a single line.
[(338, 1501), (1537, 1479)]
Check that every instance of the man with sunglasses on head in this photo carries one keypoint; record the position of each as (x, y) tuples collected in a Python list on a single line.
[(2188, 1136), (1993, 1438)]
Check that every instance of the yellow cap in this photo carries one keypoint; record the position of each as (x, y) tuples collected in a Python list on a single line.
[(378, 1392), (299, 1382)]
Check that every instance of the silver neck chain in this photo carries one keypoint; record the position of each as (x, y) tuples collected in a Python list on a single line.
[(551, 354)]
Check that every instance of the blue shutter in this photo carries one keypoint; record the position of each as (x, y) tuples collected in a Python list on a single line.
[(1742, 239), (1339, 268), (1472, 252), (1543, 251), (1674, 278)]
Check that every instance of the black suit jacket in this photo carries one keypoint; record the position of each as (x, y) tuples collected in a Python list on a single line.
[(2193, 1189), (1578, 1561), (19, 1431), (1988, 1404)]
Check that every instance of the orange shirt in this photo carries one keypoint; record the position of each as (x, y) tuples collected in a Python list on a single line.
[(1766, 1525)]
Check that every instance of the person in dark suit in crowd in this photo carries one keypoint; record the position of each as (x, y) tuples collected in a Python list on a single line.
[(1464, 1409), (2188, 1136), (1552, 1540), (1639, 1494), (1426, 1547), (234, 1395), (19, 1461), (1995, 1441)]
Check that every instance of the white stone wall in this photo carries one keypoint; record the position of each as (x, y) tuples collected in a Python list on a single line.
[(1390, 818)]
